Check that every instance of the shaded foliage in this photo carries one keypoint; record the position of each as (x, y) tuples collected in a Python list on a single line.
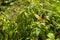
[(29, 19)]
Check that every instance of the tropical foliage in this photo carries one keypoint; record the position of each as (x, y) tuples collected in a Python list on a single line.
[(29, 19)]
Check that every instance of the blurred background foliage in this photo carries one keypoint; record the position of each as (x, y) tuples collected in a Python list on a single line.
[(22, 20)]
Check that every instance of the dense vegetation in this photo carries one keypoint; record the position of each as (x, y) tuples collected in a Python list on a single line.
[(29, 19)]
